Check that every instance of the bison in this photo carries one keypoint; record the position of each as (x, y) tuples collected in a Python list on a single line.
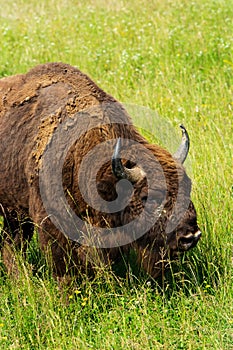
[(89, 207)]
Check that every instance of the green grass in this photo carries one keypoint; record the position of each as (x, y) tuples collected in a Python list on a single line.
[(174, 57)]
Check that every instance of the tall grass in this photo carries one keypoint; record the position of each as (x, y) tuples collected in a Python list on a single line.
[(174, 57)]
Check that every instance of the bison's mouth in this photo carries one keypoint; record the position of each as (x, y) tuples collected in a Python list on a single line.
[(189, 240)]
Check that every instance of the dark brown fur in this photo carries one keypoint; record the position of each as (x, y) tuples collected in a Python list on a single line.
[(32, 106)]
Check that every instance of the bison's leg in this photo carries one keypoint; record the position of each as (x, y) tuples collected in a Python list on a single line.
[(59, 252), (69, 259), (17, 232)]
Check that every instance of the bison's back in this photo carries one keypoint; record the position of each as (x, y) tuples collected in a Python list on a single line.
[(31, 108)]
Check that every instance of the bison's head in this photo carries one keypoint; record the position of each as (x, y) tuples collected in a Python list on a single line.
[(165, 199)]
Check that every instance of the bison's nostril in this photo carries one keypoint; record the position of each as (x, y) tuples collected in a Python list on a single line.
[(197, 235)]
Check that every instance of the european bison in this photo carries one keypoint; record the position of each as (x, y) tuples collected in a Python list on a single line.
[(74, 166)]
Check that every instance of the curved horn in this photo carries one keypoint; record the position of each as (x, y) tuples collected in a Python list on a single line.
[(120, 171), (182, 152)]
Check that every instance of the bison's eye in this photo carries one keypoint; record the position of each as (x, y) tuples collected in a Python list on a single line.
[(154, 197)]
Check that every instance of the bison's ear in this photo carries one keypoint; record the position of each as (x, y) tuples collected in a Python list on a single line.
[(122, 172)]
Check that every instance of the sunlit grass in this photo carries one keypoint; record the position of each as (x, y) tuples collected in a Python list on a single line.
[(174, 57)]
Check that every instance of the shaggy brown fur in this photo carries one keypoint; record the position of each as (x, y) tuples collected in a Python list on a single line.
[(32, 106)]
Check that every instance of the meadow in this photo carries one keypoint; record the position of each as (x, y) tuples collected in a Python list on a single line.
[(175, 58)]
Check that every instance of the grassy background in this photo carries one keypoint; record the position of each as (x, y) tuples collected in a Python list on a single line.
[(174, 57)]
